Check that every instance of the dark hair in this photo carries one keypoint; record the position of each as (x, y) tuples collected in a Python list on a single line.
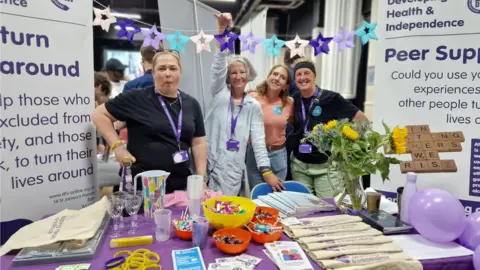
[(101, 79), (147, 53), (288, 60)]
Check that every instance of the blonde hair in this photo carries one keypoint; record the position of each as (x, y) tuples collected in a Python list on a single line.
[(262, 88), (172, 53)]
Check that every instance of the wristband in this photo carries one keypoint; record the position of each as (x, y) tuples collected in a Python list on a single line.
[(152, 256), (113, 263), (134, 265), (141, 251), (116, 144), (266, 173), (124, 253), (152, 266)]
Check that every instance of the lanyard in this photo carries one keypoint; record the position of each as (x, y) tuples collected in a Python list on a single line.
[(177, 130), (234, 119), (304, 113)]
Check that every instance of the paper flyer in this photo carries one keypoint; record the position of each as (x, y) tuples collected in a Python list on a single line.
[(188, 259)]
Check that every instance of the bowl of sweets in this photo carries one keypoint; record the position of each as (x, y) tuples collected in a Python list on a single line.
[(265, 231), (232, 240), (229, 211), (264, 213), (183, 227)]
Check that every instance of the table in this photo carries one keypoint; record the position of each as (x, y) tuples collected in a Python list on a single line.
[(210, 252)]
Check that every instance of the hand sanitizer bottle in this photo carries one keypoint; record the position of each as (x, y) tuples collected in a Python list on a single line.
[(409, 190)]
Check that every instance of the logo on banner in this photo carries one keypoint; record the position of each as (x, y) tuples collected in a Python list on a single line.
[(62, 4), (474, 6)]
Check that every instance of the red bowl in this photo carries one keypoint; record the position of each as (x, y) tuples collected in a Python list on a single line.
[(264, 209), (263, 238), (184, 235), (232, 249)]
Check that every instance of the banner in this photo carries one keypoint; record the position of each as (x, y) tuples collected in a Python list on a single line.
[(427, 73), (47, 141)]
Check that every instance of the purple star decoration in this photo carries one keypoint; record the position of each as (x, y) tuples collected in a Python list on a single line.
[(344, 39), (249, 42), (125, 31), (320, 44), (226, 40), (152, 37)]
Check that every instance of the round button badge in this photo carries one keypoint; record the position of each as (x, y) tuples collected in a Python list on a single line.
[(317, 111)]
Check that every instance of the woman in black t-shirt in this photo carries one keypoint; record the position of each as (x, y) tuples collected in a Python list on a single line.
[(157, 139), (314, 106)]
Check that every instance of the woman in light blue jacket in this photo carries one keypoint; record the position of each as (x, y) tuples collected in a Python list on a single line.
[(233, 118)]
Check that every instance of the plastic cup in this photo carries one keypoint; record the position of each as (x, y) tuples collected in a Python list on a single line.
[(194, 207), (194, 194), (200, 227), (163, 221)]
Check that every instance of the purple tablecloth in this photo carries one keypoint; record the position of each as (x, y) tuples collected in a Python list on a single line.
[(210, 252)]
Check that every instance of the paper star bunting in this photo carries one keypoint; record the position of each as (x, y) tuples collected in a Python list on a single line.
[(249, 42), (273, 45), (320, 44), (367, 32), (226, 40), (152, 37), (344, 39), (202, 45), (297, 46), (100, 20), (124, 32), (177, 41)]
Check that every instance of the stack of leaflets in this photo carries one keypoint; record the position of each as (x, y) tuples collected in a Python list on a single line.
[(241, 262), (290, 203), (288, 255)]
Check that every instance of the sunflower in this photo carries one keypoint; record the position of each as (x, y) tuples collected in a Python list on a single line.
[(350, 133), (399, 140), (331, 124)]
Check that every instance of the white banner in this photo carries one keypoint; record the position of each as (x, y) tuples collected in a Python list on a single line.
[(427, 73), (47, 141)]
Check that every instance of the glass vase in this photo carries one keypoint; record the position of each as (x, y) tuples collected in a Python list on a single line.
[(353, 187)]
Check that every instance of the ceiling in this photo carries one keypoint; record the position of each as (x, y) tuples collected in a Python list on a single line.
[(240, 9)]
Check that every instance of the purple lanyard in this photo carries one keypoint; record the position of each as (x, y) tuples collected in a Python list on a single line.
[(234, 119), (304, 113), (177, 130)]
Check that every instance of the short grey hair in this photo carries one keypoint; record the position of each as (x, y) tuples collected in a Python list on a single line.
[(251, 72)]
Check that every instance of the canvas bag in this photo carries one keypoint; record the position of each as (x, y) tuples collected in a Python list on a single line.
[(315, 222), (349, 227), (362, 240), (65, 225), (386, 265), (337, 236), (362, 259)]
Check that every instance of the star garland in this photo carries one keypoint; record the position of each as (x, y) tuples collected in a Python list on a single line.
[(152, 37)]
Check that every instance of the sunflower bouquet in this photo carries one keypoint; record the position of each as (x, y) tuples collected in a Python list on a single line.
[(353, 150)]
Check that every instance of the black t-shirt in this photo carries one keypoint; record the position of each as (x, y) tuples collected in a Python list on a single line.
[(333, 107), (150, 136)]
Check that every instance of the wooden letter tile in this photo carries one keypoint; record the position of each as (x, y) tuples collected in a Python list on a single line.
[(424, 129), (421, 166), (414, 146), (454, 146), (441, 136), (419, 155), (457, 136), (434, 165), (449, 165), (429, 146), (413, 129), (426, 137), (406, 166), (432, 155), (442, 146)]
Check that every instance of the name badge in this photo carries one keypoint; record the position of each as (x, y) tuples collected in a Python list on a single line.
[(305, 148), (180, 156), (233, 145)]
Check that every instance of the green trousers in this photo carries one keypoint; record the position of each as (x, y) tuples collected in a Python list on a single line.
[(315, 177)]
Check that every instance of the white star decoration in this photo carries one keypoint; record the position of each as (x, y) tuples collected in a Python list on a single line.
[(205, 45), (104, 23), (297, 46)]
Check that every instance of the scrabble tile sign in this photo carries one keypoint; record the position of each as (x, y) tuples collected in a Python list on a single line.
[(425, 148)]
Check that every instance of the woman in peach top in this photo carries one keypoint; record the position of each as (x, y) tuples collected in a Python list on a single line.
[(277, 108)]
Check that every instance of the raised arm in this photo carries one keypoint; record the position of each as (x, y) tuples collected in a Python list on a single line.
[(219, 64), (257, 134)]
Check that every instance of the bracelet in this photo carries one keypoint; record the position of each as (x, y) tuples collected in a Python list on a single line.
[(141, 251), (155, 256), (116, 144), (113, 263), (266, 173), (124, 253), (134, 265), (152, 266)]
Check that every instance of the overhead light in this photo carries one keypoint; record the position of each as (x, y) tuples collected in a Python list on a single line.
[(127, 15), (129, 28)]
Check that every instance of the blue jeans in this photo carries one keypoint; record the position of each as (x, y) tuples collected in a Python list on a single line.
[(278, 162)]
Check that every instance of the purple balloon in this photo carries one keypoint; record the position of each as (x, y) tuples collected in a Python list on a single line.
[(437, 215), (470, 237), (476, 259)]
